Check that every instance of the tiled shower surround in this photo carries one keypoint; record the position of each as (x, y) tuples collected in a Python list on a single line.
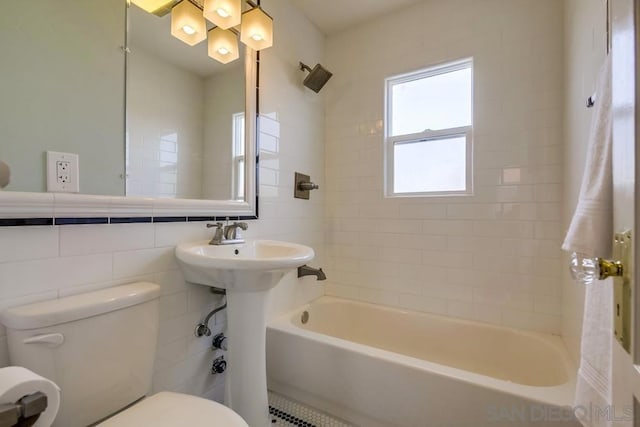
[(493, 256)]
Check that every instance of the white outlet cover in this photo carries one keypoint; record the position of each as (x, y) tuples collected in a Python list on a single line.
[(53, 183)]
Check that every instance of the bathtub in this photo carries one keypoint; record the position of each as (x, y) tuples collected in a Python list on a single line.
[(378, 367)]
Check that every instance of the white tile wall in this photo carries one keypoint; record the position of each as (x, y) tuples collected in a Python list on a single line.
[(494, 256), (75, 259), (585, 46), (165, 142), (38, 263)]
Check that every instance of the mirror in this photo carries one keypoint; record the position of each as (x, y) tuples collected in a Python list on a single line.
[(63, 82), (183, 135), (185, 116)]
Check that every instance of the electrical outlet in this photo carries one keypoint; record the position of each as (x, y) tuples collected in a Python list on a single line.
[(62, 172)]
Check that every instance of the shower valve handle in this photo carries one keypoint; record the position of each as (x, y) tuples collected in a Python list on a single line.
[(306, 186), (219, 366)]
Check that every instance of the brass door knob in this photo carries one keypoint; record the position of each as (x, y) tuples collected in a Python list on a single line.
[(607, 268), (585, 269)]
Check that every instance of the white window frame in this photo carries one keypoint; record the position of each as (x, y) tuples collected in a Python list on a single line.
[(391, 141), (237, 157)]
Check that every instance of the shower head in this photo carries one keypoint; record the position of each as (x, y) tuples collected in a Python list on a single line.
[(317, 78)]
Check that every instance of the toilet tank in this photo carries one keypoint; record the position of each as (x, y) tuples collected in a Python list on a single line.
[(99, 348)]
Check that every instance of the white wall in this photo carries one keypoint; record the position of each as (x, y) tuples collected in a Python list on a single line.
[(494, 256), (62, 89), (585, 47), (165, 128), (38, 263)]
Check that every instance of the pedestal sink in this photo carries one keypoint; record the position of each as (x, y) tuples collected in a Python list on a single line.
[(247, 271)]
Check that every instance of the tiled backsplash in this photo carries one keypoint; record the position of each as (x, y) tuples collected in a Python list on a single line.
[(494, 256), (38, 263)]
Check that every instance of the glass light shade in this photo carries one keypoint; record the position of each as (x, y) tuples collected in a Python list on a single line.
[(223, 45), (151, 5), (223, 13), (188, 24), (256, 30)]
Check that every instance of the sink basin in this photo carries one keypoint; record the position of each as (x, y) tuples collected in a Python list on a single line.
[(247, 271), (254, 265), (252, 255)]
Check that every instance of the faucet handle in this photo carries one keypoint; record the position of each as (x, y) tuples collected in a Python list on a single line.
[(231, 232), (307, 186), (218, 236)]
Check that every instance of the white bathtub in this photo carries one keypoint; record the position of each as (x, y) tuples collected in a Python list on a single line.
[(376, 366)]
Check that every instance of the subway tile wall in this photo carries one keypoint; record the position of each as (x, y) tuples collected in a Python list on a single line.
[(494, 256), (39, 263), (75, 259), (165, 143)]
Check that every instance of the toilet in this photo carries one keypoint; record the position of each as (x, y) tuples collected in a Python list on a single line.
[(99, 348)]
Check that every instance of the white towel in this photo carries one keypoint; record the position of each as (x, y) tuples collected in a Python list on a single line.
[(593, 386), (591, 233), (591, 229)]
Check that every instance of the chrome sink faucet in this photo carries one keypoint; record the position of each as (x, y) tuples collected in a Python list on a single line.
[(227, 234)]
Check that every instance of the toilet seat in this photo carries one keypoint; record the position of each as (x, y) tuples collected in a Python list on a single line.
[(167, 409)]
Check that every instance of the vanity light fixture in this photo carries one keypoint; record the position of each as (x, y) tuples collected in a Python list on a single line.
[(189, 25), (223, 45), (157, 7), (256, 30), (223, 13)]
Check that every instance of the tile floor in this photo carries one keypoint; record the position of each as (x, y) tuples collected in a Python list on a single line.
[(288, 413)]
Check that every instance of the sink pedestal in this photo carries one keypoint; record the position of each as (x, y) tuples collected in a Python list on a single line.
[(247, 271), (246, 380)]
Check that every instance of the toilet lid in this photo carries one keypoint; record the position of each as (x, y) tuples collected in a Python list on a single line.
[(166, 409)]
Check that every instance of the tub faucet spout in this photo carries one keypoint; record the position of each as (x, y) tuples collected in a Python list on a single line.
[(305, 270)]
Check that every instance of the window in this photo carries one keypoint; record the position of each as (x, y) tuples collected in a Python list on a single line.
[(428, 131), (238, 157)]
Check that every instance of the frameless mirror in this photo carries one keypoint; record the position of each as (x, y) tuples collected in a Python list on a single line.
[(183, 134)]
